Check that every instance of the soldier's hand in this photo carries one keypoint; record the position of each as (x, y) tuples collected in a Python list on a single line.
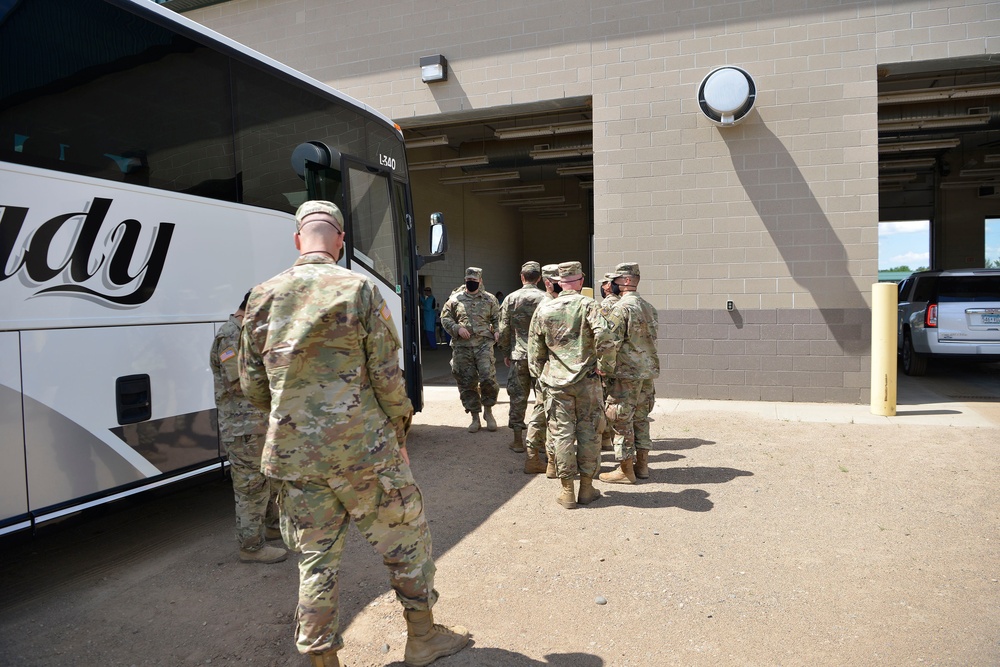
[(496, 336), (506, 362), (404, 454), (464, 333)]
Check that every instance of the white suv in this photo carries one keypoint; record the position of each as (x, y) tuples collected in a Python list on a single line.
[(948, 313)]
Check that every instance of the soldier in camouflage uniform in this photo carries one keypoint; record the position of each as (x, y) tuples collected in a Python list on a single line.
[(515, 316), (540, 458), (607, 304), (471, 316), (318, 353), (568, 343), (241, 430), (630, 388)]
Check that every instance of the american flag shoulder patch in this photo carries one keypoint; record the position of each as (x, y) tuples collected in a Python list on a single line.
[(384, 312), (226, 355)]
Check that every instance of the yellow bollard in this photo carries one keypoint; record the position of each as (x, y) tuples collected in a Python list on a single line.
[(884, 301)]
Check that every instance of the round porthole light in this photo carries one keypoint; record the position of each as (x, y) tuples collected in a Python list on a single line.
[(727, 95)]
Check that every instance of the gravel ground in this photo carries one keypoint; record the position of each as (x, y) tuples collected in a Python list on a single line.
[(754, 542)]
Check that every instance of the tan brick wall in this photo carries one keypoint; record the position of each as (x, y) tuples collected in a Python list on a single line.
[(778, 213)]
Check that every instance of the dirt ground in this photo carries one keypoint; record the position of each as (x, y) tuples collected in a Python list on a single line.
[(754, 542)]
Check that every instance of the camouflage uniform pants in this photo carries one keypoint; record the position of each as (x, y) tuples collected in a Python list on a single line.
[(537, 426), (519, 386), (628, 406), (475, 371), (316, 514), (572, 413), (255, 507)]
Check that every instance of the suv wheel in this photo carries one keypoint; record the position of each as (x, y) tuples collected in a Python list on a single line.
[(914, 363)]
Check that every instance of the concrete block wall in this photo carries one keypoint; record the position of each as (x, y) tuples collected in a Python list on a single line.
[(778, 214)]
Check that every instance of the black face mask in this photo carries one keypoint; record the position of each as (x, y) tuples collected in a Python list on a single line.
[(471, 285), (556, 288), (616, 288)]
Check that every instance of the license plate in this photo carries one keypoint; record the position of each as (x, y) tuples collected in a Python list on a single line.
[(991, 319)]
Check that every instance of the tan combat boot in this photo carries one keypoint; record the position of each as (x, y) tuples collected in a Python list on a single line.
[(518, 444), (427, 641), (641, 468), (476, 424), (491, 424), (550, 467), (566, 497), (272, 533), (265, 554), (620, 475), (328, 659), (588, 493), (534, 463)]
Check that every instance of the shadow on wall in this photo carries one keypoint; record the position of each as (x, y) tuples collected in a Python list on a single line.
[(815, 256)]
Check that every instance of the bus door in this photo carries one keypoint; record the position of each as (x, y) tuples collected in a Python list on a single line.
[(378, 245)]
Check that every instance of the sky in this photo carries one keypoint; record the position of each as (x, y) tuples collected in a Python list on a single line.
[(908, 243), (904, 244)]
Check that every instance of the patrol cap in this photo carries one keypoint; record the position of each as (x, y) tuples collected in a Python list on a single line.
[(570, 270), (627, 269), (474, 273), (319, 206), (550, 271), (530, 266), (608, 277)]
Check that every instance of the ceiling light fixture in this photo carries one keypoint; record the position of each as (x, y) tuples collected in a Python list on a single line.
[(542, 130), (962, 185), (986, 172), (452, 162), (510, 190), (556, 153), (913, 163), (937, 94), (533, 200), (481, 178), (911, 146), (571, 171), (422, 142), (538, 209), (935, 123)]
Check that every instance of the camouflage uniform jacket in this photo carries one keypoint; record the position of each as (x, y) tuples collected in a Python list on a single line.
[(569, 339), (319, 352), (478, 312), (608, 303), (515, 317), (237, 416), (636, 320)]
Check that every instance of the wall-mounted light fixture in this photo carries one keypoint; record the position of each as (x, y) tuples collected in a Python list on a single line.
[(727, 95), (433, 68)]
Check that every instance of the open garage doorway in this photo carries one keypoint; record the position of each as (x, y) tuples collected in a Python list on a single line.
[(514, 183), (939, 152)]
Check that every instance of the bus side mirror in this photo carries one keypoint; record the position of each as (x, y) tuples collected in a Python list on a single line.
[(439, 241), (439, 235)]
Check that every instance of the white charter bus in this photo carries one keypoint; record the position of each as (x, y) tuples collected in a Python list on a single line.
[(149, 169)]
